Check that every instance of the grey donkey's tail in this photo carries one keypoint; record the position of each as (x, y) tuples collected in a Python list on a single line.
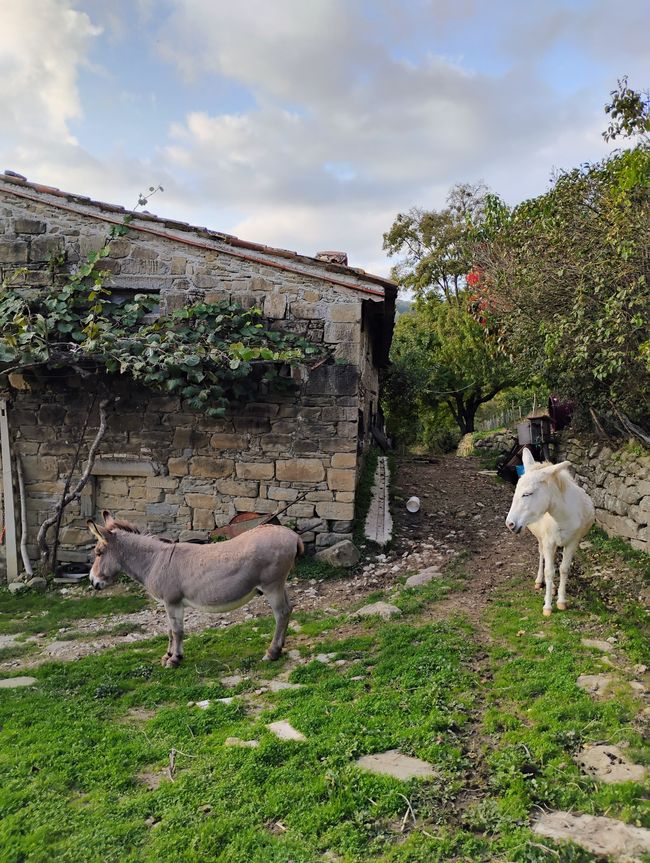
[(301, 547)]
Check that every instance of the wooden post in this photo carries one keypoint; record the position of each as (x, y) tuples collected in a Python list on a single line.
[(8, 497)]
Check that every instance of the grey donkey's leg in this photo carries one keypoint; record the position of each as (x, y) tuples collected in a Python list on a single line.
[(174, 655), (278, 598)]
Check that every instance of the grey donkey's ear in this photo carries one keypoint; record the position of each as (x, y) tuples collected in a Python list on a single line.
[(98, 532), (107, 515)]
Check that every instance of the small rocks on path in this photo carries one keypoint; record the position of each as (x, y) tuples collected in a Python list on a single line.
[(606, 837), (423, 577), (285, 731), (384, 609), (609, 764), (393, 763), (16, 682)]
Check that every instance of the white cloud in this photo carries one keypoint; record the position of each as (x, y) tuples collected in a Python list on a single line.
[(345, 118), (42, 45)]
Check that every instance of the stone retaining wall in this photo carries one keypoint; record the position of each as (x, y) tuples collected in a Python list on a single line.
[(618, 481)]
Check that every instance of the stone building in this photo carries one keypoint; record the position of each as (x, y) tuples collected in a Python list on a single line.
[(170, 470)]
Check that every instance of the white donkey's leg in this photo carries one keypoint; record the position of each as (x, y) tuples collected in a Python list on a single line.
[(540, 568), (174, 655), (278, 598), (565, 566), (549, 573)]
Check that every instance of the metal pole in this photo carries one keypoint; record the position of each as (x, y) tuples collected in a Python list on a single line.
[(8, 497)]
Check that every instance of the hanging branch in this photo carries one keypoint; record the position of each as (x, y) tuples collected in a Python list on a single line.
[(630, 427), (68, 496)]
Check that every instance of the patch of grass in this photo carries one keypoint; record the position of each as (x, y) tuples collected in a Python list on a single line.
[(363, 495), (49, 612), (70, 790), (15, 651), (308, 567), (536, 719), (614, 594), (500, 724)]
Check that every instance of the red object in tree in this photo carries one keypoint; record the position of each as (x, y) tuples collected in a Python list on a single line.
[(473, 278)]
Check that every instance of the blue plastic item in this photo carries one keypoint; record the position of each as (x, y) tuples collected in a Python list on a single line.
[(520, 469)]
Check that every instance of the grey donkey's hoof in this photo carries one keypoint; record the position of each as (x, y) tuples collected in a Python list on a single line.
[(169, 661), (272, 655)]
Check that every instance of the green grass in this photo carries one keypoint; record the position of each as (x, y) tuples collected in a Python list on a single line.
[(363, 494), (35, 612), (500, 722)]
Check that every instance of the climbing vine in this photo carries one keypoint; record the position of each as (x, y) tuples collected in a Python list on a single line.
[(204, 352)]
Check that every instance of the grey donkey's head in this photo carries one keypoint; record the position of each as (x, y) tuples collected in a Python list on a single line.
[(106, 565)]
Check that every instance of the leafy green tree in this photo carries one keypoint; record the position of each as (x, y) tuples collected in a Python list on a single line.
[(565, 278), (443, 358), (435, 245)]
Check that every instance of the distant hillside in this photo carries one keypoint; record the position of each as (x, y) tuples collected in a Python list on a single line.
[(403, 306)]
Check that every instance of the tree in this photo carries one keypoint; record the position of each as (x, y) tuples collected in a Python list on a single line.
[(442, 357), (434, 245), (629, 111), (566, 279)]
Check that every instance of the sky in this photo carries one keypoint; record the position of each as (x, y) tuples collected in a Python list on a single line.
[(309, 124)]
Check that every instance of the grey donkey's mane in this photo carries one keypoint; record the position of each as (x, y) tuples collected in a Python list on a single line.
[(127, 527)]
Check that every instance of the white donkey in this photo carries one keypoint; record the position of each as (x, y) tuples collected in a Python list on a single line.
[(557, 512)]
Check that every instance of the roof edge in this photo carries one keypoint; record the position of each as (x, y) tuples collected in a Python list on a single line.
[(228, 244)]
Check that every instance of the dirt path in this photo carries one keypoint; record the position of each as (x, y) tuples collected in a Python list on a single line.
[(463, 511)]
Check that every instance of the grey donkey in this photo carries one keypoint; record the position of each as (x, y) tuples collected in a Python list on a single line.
[(217, 577)]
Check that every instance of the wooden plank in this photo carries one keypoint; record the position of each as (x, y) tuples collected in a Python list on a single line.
[(8, 496)]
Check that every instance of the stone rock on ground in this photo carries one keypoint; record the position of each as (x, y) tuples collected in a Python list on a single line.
[(233, 680), (15, 682), (393, 763), (598, 644), (423, 577), (285, 731), (17, 587), (342, 554), (596, 684), (609, 764), (383, 609), (237, 741), (604, 836), (38, 584), (279, 685)]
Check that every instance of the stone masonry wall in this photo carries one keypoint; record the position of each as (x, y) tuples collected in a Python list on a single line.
[(170, 470), (618, 481), (181, 474)]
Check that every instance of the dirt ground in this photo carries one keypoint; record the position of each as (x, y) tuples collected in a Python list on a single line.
[(462, 511)]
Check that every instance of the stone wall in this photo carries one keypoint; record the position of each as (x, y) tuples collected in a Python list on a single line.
[(166, 468), (478, 443), (618, 481), (181, 475)]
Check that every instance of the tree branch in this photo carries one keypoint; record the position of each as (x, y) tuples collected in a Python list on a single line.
[(69, 496)]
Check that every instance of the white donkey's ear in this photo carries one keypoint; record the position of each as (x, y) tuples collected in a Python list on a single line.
[(98, 532), (527, 458), (556, 468)]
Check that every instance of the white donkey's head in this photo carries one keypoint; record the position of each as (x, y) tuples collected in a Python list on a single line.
[(534, 492)]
